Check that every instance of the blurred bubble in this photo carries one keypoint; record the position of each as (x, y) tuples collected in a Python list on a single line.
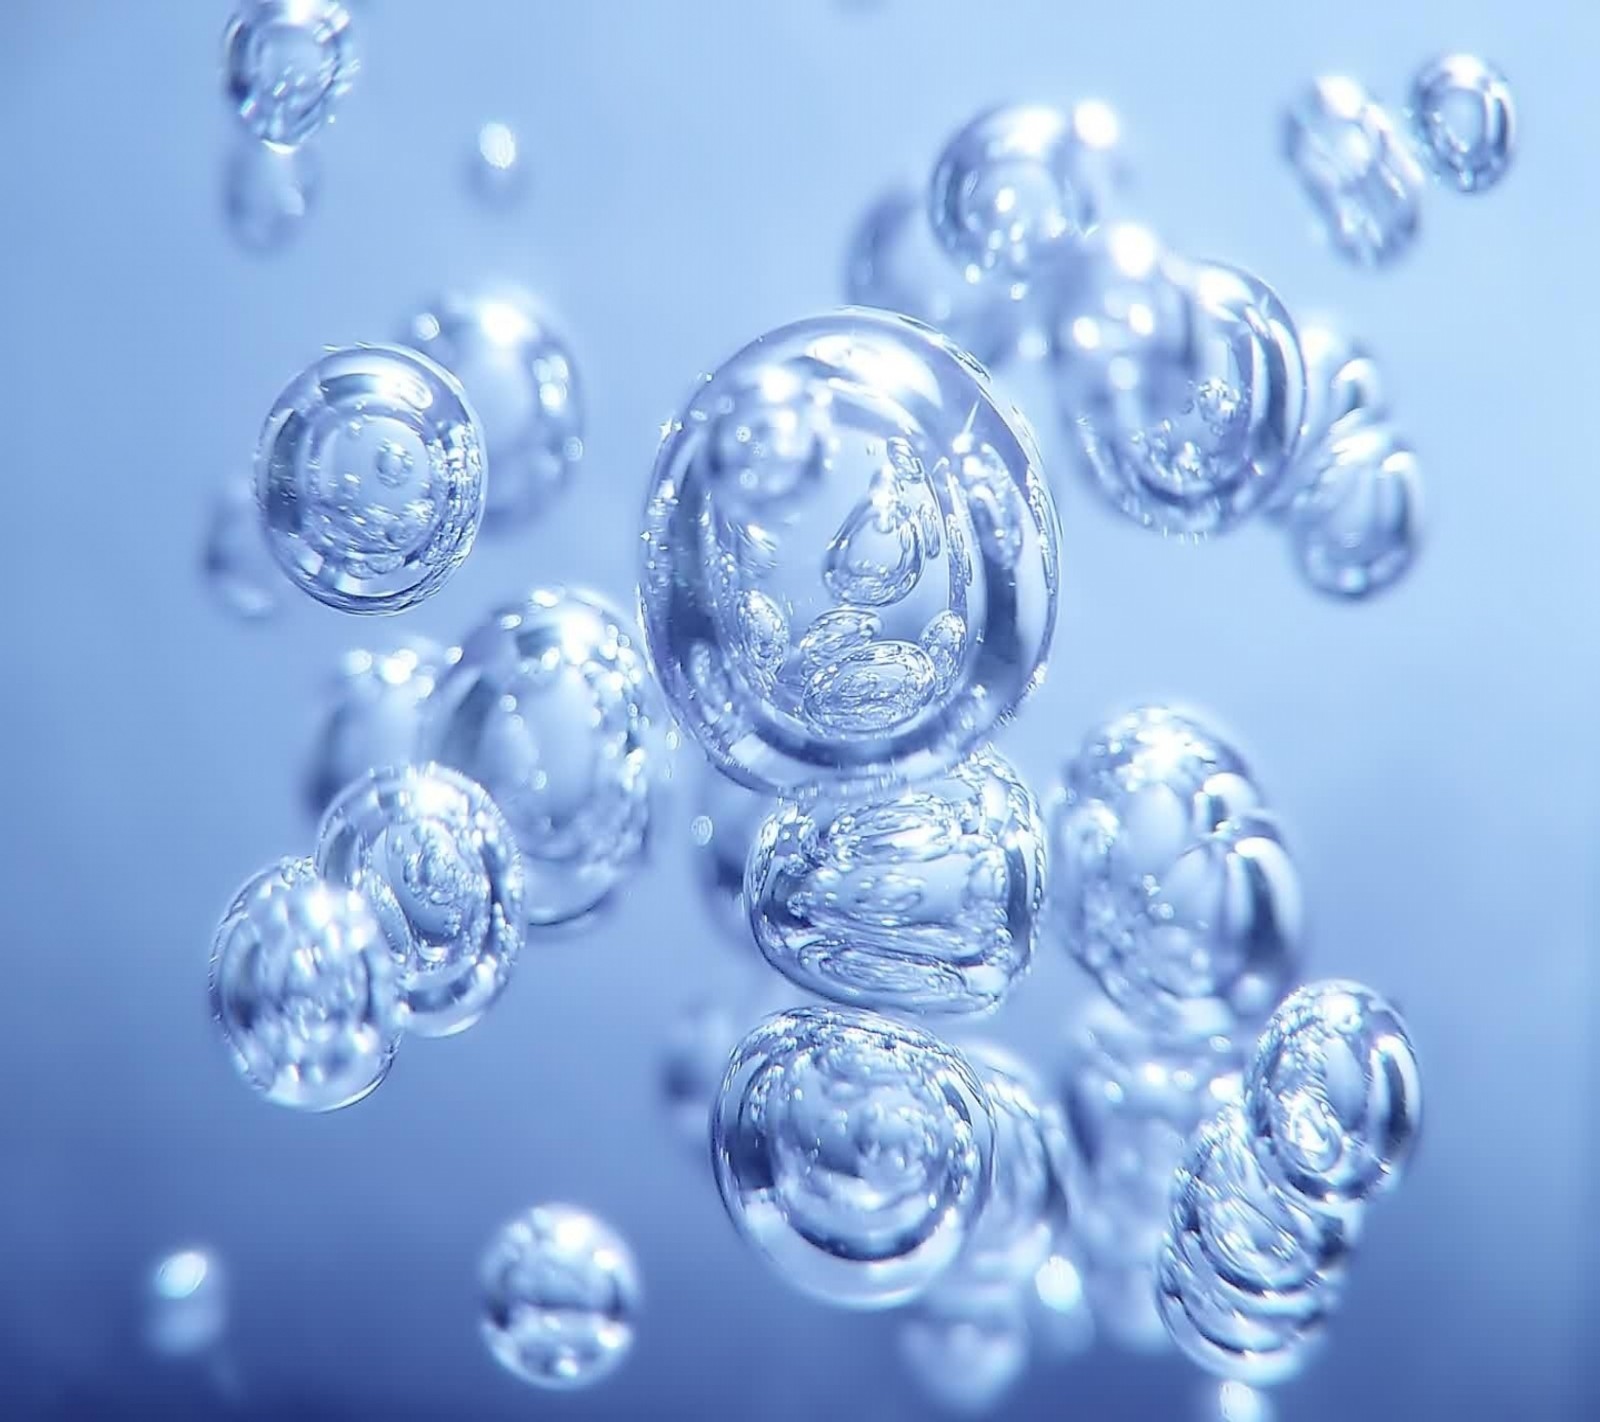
[(561, 1298), (551, 709), (1355, 528), (186, 1304), (722, 833), (700, 1039), (1361, 177), (376, 702), (436, 861), (287, 64), (1171, 882), (924, 899), (267, 194), (853, 1152), (303, 989), (496, 172), (1027, 1207), (894, 263), (965, 1355), (370, 479), (1465, 119), (519, 374), (1061, 1321), (1132, 1104), (1199, 411), (1234, 1401), (1017, 182), (234, 559)]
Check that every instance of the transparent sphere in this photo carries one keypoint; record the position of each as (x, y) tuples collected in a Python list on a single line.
[(1356, 168), (551, 709), (560, 1298), (1355, 528), (1170, 881), (1017, 182), (1245, 1279), (924, 898), (267, 194), (1334, 1096), (186, 1304), (1132, 1103), (519, 374), (369, 474), (303, 989), (894, 263), (850, 557), (965, 1355), (375, 713), (234, 560), (723, 832), (1027, 1207), (287, 64), (1464, 115), (1199, 420), (436, 861), (855, 1153)]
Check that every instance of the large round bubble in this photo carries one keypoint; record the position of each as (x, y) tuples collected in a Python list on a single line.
[(370, 479), (850, 557), (853, 1152)]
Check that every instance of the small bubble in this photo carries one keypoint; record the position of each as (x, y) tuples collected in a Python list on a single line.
[(287, 64), (303, 990), (561, 1298), (1465, 117), (497, 174)]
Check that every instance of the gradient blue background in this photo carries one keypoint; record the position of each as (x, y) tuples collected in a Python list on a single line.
[(696, 169)]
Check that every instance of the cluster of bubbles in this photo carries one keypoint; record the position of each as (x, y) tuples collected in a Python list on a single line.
[(287, 66), (1173, 888), (848, 586), (1192, 398), (408, 918), (1268, 1200), (1364, 169), (548, 705)]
